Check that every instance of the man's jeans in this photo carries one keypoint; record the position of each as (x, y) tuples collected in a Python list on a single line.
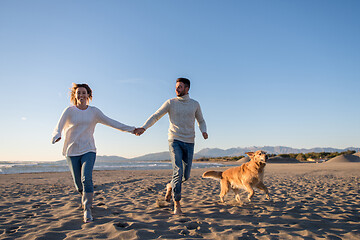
[(181, 154), (81, 168)]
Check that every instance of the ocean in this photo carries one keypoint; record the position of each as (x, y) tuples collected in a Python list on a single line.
[(11, 167)]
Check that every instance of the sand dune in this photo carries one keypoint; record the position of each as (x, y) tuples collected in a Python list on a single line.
[(344, 158), (309, 201), (357, 154), (243, 160)]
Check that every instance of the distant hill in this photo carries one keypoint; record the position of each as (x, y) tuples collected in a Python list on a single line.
[(153, 156), (216, 152), (110, 159)]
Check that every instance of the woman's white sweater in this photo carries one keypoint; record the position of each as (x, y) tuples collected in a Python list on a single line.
[(79, 126)]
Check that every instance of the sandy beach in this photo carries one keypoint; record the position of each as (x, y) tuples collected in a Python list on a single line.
[(309, 201)]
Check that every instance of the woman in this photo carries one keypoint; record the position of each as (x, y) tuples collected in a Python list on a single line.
[(78, 123)]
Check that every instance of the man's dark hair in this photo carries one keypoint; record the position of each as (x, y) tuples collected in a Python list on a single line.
[(184, 81)]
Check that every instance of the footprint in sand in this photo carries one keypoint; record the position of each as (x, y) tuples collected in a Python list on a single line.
[(184, 232), (116, 212), (36, 205), (12, 229), (193, 225), (27, 215), (184, 220), (161, 203), (121, 225)]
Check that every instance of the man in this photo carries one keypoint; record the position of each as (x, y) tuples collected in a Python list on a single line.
[(182, 112)]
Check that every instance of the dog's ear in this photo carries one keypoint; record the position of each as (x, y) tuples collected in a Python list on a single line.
[(250, 154)]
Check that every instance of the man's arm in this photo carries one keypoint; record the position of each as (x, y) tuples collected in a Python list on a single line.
[(205, 135), (154, 118), (201, 122)]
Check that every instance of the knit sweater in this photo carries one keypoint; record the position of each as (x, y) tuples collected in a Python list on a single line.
[(79, 126), (182, 114)]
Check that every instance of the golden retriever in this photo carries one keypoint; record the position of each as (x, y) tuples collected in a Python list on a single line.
[(248, 176)]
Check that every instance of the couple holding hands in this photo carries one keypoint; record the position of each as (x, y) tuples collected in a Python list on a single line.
[(78, 124)]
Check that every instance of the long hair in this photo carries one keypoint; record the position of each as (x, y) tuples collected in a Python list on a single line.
[(73, 91)]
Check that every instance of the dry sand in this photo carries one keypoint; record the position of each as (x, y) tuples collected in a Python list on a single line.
[(309, 201)]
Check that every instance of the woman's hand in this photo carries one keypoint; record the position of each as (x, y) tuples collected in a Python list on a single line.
[(139, 131)]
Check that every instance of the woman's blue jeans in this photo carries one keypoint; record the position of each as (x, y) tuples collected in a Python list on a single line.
[(181, 154), (81, 168)]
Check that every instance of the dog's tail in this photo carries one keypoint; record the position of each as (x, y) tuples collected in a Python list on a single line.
[(212, 174)]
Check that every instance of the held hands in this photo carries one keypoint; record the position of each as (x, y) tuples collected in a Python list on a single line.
[(139, 131)]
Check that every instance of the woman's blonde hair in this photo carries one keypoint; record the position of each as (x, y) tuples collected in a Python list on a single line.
[(73, 91)]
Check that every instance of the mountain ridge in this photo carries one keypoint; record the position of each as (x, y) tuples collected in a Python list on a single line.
[(218, 152)]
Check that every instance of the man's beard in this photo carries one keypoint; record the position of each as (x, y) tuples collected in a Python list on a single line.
[(180, 94)]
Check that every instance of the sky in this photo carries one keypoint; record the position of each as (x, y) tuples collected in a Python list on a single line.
[(266, 73)]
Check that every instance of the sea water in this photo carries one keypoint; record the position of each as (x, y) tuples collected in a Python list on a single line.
[(11, 167)]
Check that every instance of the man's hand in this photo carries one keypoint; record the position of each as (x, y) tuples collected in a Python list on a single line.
[(139, 131), (205, 135)]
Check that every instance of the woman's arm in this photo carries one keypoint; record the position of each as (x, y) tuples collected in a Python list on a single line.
[(56, 136), (102, 118)]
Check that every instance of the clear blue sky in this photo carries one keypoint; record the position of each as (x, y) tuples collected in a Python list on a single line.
[(265, 72)]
